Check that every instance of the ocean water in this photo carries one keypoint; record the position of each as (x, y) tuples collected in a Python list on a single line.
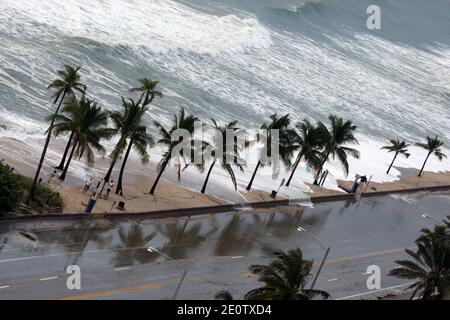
[(234, 59)]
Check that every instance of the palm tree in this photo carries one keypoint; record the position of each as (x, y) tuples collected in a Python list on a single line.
[(447, 223), (311, 142), (181, 122), (285, 278), (66, 85), (433, 146), (287, 143), (87, 121), (399, 147), (336, 140), (140, 141), (430, 265), (148, 89), (225, 150), (128, 124)]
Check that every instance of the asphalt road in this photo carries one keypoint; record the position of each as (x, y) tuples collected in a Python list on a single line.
[(216, 250)]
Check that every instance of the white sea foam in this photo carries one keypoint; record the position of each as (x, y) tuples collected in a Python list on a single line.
[(162, 25), (228, 66)]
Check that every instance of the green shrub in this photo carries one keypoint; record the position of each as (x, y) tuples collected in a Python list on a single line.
[(44, 196), (11, 189)]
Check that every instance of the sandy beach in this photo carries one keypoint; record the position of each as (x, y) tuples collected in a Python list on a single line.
[(169, 195), (136, 198)]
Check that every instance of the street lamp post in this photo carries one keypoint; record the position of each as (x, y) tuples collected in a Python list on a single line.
[(324, 247), (183, 276), (426, 216)]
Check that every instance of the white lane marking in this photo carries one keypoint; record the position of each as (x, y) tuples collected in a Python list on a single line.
[(334, 279), (5, 287), (375, 291), (237, 257), (122, 268), (68, 254), (49, 278), (366, 273)]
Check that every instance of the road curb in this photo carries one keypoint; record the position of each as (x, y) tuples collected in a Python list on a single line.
[(184, 212), (179, 212)]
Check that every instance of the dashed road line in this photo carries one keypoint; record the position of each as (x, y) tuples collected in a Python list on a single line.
[(5, 287), (375, 291), (49, 278), (122, 268), (334, 279)]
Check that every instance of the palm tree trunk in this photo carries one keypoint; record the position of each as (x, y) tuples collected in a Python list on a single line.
[(423, 167), (146, 100), (140, 99), (119, 189), (207, 176), (316, 179), (299, 158), (44, 151), (152, 190), (66, 150), (64, 173), (108, 174), (392, 163), (253, 176)]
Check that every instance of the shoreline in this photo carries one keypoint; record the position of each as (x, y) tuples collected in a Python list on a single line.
[(172, 196)]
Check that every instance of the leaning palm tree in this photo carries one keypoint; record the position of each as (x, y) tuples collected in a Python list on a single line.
[(336, 139), (140, 141), (433, 146), (128, 124), (285, 278), (398, 147), (148, 90), (181, 122), (311, 142), (225, 150), (88, 122), (287, 143), (430, 265), (66, 85)]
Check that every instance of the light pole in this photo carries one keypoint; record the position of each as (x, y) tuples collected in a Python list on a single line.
[(153, 249), (426, 216), (324, 247)]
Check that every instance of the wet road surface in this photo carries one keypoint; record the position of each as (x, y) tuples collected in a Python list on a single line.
[(216, 250)]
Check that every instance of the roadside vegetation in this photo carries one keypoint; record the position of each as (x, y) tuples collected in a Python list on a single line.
[(13, 188)]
